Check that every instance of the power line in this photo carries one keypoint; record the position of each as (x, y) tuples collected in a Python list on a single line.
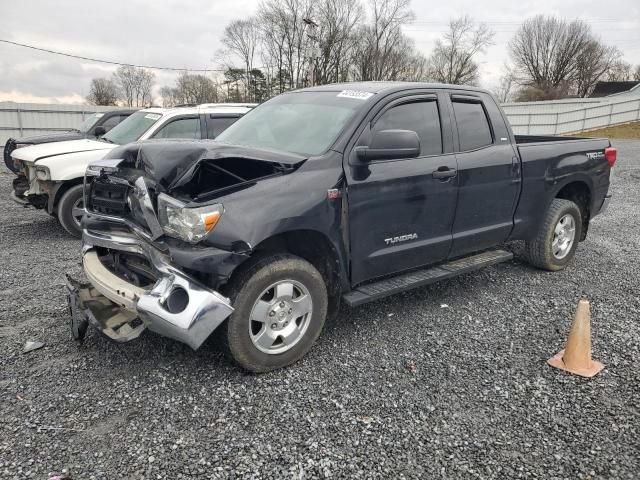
[(110, 62)]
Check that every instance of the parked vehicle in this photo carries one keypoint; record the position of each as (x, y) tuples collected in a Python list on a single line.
[(93, 126), (350, 192), (51, 174)]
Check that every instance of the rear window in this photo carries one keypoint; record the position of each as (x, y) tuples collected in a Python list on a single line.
[(473, 125)]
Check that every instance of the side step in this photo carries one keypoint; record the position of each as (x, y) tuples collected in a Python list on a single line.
[(418, 278)]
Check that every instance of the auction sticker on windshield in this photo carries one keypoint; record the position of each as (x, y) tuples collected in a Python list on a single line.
[(355, 94), (152, 116)]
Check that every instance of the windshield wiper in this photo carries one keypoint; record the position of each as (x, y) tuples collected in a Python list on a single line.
[(107, 140)]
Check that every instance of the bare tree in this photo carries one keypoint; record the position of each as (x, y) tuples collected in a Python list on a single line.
[(170, 97), (285, 38), (636, 73), (452, 60), (619, 71), (103, 91), (241, 39), (504, 90), (383, 49), (145, 80), (337, 20), (545, 51), (190, 89), (135, 85), (592, 63)]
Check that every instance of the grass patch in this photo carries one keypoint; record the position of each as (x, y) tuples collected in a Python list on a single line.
[(627, 131)]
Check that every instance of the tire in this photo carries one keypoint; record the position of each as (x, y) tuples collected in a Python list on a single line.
[(541, 251), (68, 211), (260, 346)]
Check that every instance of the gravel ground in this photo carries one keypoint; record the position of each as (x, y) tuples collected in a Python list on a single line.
[(448, 381)]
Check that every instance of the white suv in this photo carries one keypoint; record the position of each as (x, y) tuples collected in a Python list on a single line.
[(51, 174)]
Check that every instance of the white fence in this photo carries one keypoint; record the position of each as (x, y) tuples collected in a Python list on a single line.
[(26, 119), (559, 117)]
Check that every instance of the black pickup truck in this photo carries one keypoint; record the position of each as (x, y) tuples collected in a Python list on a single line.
[(342, 192), (94, 126)]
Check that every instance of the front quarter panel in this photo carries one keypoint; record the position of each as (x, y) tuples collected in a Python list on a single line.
[(291, 202)]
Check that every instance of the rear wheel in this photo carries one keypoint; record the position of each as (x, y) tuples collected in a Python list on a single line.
[(557, 240), (280, 308), (71, 209)]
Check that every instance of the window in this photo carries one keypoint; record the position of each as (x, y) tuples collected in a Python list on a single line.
[(111, 122), (181, 128), (420, 117), (473, 126), (217, 125), (132, 127), (89, 122), (306, 123)]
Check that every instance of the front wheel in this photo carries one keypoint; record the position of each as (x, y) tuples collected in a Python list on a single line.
[(557, 239), (280, 308), (71, 209)]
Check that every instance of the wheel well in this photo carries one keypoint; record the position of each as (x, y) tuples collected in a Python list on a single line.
[(64, 188), (315, 248), (580, 194)]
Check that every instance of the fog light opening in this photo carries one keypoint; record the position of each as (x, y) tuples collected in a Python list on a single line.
[(177, 300)]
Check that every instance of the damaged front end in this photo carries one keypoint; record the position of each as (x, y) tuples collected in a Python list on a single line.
[(145, 268), (121, 300)]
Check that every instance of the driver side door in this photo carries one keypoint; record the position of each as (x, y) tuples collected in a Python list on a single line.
[(401, 210)]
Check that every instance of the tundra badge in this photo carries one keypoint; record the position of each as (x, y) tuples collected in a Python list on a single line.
[(401, 238)]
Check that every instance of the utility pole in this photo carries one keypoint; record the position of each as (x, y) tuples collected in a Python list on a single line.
[(314, 38)]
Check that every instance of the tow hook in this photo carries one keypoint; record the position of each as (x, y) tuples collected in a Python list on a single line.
[(79, 321)]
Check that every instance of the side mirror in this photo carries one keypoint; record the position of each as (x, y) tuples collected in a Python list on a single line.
[(99, 131), (389, 145)]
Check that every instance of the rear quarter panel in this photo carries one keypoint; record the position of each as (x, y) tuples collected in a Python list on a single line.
[(547, 167)]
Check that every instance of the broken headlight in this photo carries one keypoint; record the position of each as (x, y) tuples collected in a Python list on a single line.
[(42, 173), (189, 224)]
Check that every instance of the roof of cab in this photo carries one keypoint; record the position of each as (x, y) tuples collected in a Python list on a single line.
[(203, 108), (378, 87)]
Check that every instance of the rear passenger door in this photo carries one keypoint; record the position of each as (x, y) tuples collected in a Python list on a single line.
[(218, 123), (401, 211), (488, 175)]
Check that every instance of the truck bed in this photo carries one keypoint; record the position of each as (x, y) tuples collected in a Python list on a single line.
[(524, 139)]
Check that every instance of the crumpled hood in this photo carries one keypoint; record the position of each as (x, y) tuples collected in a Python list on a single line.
[(172, 163), (46, 150)]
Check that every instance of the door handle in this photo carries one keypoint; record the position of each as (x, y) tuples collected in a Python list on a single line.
[(444, 172)]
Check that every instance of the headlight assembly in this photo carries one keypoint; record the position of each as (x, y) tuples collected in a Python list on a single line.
[(42, 173), (188, 224)]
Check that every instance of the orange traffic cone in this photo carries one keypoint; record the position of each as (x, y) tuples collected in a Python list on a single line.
[(576, 357)]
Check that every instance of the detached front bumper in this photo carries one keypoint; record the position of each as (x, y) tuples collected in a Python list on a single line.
[(176, 306), (22, 193)]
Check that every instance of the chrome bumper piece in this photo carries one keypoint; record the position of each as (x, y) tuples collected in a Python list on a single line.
[(122, 310)]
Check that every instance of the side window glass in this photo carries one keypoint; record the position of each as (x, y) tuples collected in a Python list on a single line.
[(420, 117), (181, 128), (473, 125), (217, 125), (111, 122)]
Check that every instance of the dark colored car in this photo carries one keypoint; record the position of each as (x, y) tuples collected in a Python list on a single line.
[(341, 192), (93, 126)]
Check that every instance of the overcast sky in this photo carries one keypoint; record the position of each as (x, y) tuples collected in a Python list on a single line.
[(186, 34)]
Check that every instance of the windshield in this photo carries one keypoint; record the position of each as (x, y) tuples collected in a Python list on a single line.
[(131, 128), (89, 122), (305, 123)]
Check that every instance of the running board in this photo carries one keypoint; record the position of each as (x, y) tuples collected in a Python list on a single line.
[(418, 278)]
